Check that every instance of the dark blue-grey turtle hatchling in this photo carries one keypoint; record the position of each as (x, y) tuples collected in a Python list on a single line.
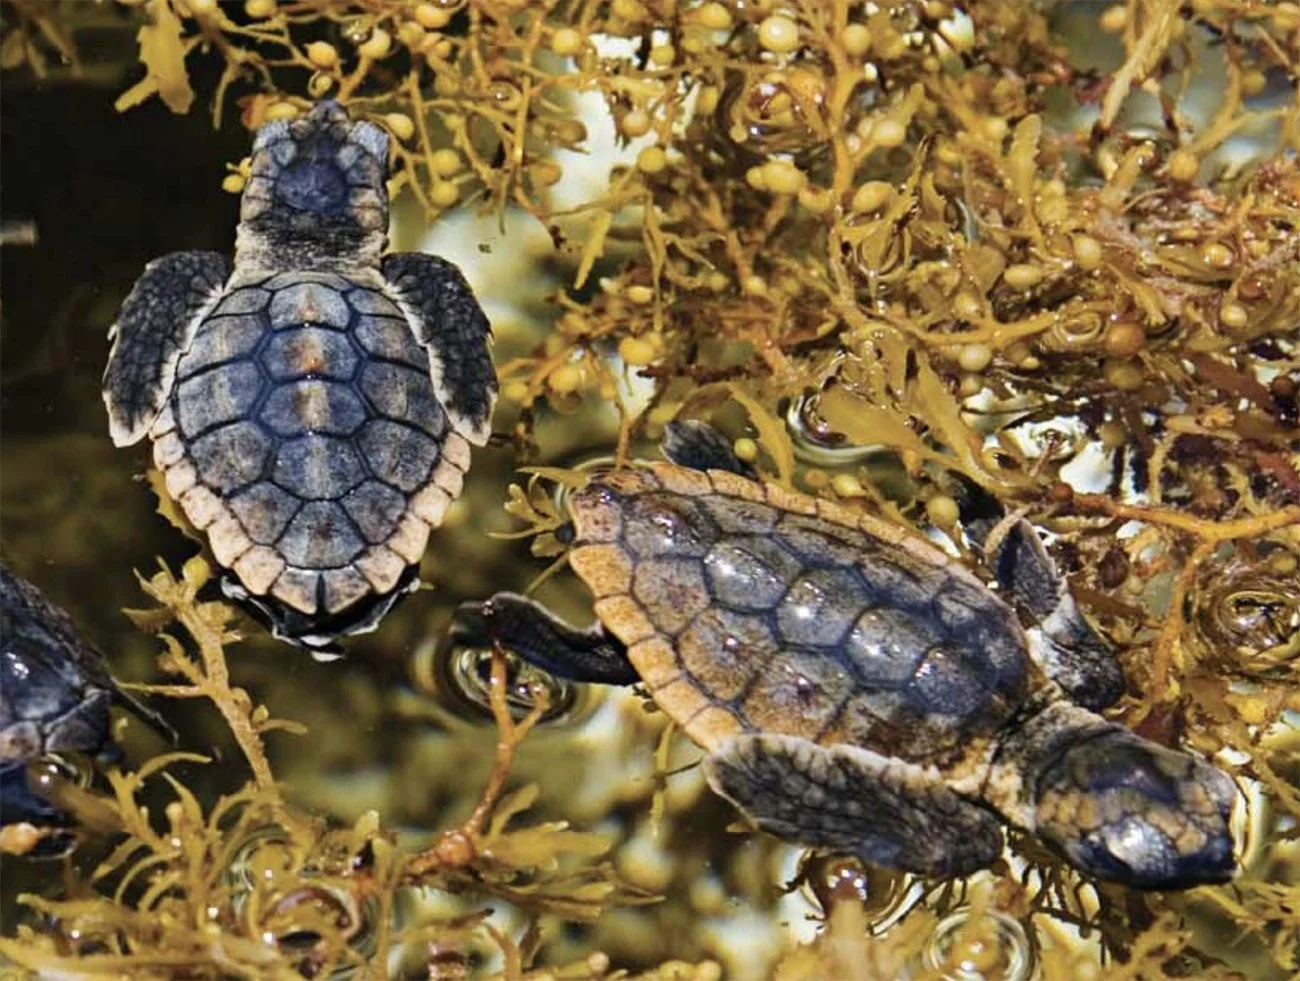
[(55, 693), (858, 689), (311, 406)]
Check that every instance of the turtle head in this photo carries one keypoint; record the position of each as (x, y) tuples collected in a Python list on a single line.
[(316, 194), (1125, 809)]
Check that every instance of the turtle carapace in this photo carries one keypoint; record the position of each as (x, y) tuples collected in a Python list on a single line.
[(312, 405)]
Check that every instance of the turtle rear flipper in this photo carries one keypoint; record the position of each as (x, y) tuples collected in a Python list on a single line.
[(147, 714), (524, 627), (886, 811), (155, 327), (698, 446), (451, 326), (1065, 645), (320, 632)]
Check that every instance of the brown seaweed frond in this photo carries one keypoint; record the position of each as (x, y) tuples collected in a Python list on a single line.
[(529, 866), (39, 38), (846, 948), (535, 505), (237, 891), (881, 243), (251, 887), (208, 623)]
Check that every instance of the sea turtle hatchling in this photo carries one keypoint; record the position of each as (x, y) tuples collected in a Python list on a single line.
[(311, 406), (857, 689), (55, 694)]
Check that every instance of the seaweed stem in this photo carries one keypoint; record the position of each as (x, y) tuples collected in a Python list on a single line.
[(458, 847), (1164, 688), (1208, 530), (511, 735), (210, 676)]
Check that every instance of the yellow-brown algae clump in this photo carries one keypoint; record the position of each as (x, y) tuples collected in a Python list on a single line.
[(1147, 363)]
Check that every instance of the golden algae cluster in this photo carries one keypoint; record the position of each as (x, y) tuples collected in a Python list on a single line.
[(885, 245)]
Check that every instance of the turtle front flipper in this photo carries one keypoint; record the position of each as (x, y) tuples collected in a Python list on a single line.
[(697, 445), (850, 800), (1064, 644), (452, 327), (155, 327), (526, 628)]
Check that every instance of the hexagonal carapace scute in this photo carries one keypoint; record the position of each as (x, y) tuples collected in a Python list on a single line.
[(671, 591), (221, 340), (389, 338), (724, 650), (749, 572), (820, 543), (318, 468), (313, 406), (820, 607), (226, 393), (264, 510), (658, 523), (737, 517), (231, 456), (315, 352), (308, 303), (375, 508), (947, 681), (886, 644), (321, 536), (403, 393), (398, 454), (799, 694)]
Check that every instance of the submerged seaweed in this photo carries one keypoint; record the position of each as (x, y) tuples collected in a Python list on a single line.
[(251, 887), (887, 245)]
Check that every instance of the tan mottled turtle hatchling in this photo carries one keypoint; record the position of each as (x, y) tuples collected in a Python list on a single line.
[(312, 407), (859, 690)]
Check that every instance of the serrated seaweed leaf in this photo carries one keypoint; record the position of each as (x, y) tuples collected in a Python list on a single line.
[(163, 51)]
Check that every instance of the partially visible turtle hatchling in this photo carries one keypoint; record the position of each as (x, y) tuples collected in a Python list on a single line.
[(55, 695), (857, 689), (312, 406)]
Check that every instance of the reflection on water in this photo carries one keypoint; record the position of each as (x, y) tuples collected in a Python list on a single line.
[(990, 947)]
